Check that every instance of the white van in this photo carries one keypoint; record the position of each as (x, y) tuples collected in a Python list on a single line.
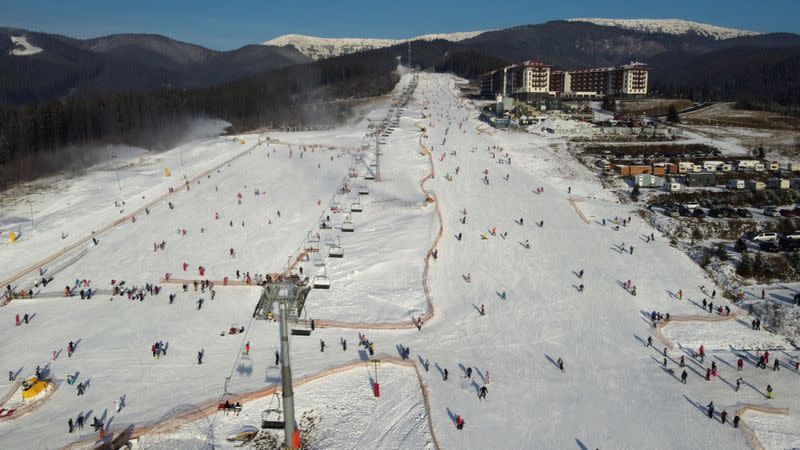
[(765, 236)]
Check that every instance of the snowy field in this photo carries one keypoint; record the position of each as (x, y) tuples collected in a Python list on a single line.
[(342, 408), (614, 393)]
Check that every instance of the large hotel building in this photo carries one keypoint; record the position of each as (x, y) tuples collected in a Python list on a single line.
[(531, 79)]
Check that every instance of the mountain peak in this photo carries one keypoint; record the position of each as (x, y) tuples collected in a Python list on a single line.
[(320, 47), (670, 26)]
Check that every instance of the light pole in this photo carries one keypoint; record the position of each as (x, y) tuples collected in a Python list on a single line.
[(33, 224)]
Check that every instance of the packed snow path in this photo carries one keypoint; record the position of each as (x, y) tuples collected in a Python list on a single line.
[(613, 394)]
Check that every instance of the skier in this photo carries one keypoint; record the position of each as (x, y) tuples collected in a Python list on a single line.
[(482, 394), (80, 421), (446, 373), (247, 348), (684, 375), (580, 273), (70, 349), (736, 421), (561, 365), (483, 311), (459, 422), (776, 365), (738, 384), (344, 345), (117, 405), (18, 321), (200, 356), (711, 410), (199, 303), (277, 357), (469, 372), (81, 388), (769, 391), (426, 364), (649, 341), (683, 362), (321, 345), (724, 416), (71, 425)]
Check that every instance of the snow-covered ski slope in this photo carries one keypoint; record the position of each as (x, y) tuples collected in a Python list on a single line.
[(614, 394)]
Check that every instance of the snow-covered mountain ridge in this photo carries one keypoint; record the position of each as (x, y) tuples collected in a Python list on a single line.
[(670, 26), (321, 48)]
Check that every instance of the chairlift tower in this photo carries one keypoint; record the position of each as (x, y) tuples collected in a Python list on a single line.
[(377, 157), (290, 295)]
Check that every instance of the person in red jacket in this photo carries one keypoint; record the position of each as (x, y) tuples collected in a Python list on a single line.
[(459, 422)]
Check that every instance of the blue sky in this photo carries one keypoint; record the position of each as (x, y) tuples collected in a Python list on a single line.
[(225, 25)]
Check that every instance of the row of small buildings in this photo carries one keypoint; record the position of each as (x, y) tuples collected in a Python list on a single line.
[(687, 167), (710, 180), (534, 79)]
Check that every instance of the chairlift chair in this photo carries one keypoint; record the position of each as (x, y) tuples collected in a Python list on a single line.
[(321, 280), (336, 250), (356, 207), (272, 418), (362, 190), (347, 226)]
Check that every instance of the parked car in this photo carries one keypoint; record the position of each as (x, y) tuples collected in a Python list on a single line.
[(715, 212), (729, 212), (671, 212), (741, 212), (740, 245), (699, 214), (768, 246), (787, 244), (794, 235), (691, 205), (765, 236), (771, 212), (788, 213)]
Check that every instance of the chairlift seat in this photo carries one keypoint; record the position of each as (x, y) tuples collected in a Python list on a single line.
[(356, 207), (348, 226), (321, 282), (301, 332), (336, 252), (362, 190)]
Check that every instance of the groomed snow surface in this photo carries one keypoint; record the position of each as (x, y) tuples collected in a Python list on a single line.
[(614, 392)]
